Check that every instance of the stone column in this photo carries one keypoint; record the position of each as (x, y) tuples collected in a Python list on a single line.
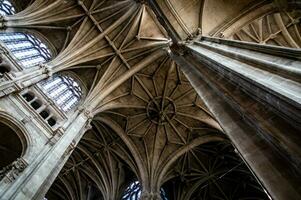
[(150, 195), (35, 180), (254, 92)]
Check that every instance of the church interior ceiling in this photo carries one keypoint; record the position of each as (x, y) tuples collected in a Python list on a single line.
[(153, 128)]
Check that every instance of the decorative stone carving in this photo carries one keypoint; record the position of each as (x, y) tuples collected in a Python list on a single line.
[(12, 171), (57, 134), (160, 115), (88, 126), (70, 148), (87, 112), (26, 119), (46, 70)]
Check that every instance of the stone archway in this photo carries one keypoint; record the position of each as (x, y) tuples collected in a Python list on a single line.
[(11, 146)]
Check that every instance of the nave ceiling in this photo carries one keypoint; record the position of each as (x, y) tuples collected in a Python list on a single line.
[(152, 126), (248, 20)]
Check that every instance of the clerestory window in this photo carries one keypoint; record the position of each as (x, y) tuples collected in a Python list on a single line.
[(133, 192), (64, 90), (30, 51), (6, 8), (27, 48)]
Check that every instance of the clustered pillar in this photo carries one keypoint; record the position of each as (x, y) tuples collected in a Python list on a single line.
[(254, 92)]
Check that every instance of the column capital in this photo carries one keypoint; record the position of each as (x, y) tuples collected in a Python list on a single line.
[(194, 36), (86, 111), (11, 172), (46, 69), (57, 134), (2, 22), (179, 48), (150, 195)]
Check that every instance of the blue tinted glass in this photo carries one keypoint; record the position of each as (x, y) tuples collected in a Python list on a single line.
[(6, 8), (28, 49), (63, 90), (133, 192)]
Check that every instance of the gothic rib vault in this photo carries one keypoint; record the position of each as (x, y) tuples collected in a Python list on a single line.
[(140, 118)]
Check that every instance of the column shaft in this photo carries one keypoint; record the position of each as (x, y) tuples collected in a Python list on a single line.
[(36, 179), (257, 116)]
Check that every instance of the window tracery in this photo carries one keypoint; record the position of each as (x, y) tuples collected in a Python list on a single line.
[(6, 8), (30, 51), (133, 192), (27, 48), (64, 90)]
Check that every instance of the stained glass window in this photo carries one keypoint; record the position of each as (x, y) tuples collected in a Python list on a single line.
[(133, 192), (28, 49), (6, 8), (63, 90)]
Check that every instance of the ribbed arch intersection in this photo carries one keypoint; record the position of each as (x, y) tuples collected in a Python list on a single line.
[(157, 118)]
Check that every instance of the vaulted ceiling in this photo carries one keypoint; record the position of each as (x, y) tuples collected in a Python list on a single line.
[(152, 126), (189, 17)]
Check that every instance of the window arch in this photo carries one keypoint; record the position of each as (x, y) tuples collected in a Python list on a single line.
[(27, 48), (11, 145), (133, 192), (6, 8), (64, 90)]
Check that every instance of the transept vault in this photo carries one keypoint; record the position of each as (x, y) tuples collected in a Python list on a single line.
[(150, 99)]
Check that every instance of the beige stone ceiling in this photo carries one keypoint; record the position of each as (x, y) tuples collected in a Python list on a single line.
[(102, 165), (281, 29), (187, 16), (148, 123)]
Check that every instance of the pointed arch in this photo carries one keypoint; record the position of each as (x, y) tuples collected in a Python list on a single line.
[(28, 47), (65, 89)]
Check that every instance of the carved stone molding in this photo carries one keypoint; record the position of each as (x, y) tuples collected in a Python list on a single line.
[(11, 172), (57, 134), (150, 196), (70, 148), (27, 119), (46, 70)]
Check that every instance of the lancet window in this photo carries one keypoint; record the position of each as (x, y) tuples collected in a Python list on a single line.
[(64, 90), (133, 192), (6, 8)]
